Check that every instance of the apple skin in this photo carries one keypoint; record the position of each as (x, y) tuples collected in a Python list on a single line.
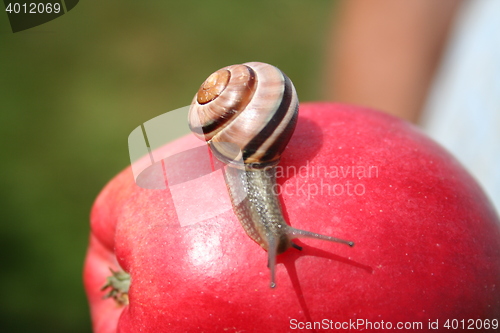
[(427, 240)]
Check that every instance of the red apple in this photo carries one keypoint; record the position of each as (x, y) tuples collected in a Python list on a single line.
[(427, 241)]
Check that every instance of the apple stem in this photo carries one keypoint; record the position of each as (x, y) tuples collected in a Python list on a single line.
[(119, 284)]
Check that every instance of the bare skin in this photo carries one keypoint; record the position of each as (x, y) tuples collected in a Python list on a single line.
[(383, 53)]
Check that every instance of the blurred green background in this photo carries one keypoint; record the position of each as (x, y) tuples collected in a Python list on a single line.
[(73, 89)]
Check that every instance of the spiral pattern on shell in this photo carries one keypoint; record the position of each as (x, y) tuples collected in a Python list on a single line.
[(246, 112)]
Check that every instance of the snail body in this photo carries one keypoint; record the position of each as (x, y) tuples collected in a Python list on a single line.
[(247, 114)]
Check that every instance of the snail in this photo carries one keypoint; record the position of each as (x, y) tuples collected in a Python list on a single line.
[(247, 114)]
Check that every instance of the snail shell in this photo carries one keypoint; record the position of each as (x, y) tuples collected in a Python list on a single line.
[(246, 112)]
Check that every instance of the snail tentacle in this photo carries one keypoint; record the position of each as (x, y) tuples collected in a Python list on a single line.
[(298, 233), (271, 259)]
